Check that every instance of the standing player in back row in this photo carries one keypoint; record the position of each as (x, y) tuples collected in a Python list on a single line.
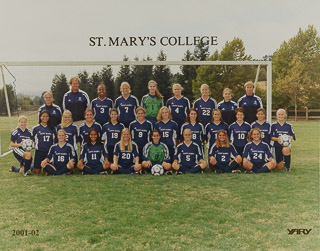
[(76, 100), (250, 102), (227, 107), (205, 105), (152, 102)]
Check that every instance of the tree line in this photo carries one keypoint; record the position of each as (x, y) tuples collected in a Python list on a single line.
[(295, 71)]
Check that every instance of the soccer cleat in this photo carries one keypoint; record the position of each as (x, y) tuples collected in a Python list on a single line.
[(248, 172), (168, 173), (179, 173), (83, 173), (12, 168), (201, 171), (138, 172), (103, 173), (218, 171), (288, 169), (27, 174), (236, 171)]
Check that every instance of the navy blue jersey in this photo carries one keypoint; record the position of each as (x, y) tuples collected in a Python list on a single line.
[(17, 136), (211, 131), (112, 133), (277, 130), (188, 155), (259, 153), (168, 131), (126, 108), (84, 131), (223, 154), (265, 128), (250, 104), (54, 111), (238, 134), (101, 109), (140, 132), (227, 110), (178, 108), (43, 137), (72, 135), (60, 156), (126, 158), (77, 103), (205, 109), (197, 132), (93, 155)]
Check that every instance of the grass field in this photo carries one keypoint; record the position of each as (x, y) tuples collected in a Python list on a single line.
[(186, 212)]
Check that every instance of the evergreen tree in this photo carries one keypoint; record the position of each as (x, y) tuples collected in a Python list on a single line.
[(58, 88), (107, 78), (11, 98), (85, 81)]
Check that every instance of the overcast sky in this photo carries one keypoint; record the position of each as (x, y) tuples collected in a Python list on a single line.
[(42, 30)]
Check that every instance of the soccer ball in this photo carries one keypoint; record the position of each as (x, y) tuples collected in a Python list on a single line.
[(157, 170), (27, 144), (285, 140)]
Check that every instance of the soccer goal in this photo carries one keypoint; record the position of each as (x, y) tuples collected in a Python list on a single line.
[(61, 65)]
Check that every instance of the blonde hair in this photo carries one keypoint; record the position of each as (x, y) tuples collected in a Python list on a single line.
[(47, 93), (74, 78), (65, 113), (177, 85), (88, 110), (282, 110), (140, 109), (251, 132), (226, 89), (248, 83), (227, 142), (216, 110), (22, 117), (122, 146), (159, 116), (205, 85), (158, 94), (125, 84), (187, 129), (63, 131)]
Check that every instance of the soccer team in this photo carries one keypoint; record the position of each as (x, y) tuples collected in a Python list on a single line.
[(125, 138)]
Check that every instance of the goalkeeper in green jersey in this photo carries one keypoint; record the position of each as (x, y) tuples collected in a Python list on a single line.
[(152, 102), (156, 152)]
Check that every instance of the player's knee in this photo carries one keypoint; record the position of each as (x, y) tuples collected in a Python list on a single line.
[(212, 161), (27, 155), (286, 151), (280, 165), (238, 159)]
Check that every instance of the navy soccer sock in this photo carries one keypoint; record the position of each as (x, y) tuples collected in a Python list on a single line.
[(223, 168), (195, 169), (16, 169), (27, 164), (233, 165), (124, 170), (263, 169), (287, 161)]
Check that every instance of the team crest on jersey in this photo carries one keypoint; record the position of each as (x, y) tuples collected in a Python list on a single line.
[(222, 109), (255, 102), (79, 99), (245, 103), (54, 112), (232, 108), (69, 100)]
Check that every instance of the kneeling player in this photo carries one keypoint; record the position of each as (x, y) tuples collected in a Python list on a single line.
[(278, 128), (156, 152), (93, 156), (257, 157), (126, 156), (223, 155), (188, 156), (61, 156)]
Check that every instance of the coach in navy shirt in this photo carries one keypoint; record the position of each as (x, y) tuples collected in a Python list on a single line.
[(250, 102), (54, 110), (76, 100)]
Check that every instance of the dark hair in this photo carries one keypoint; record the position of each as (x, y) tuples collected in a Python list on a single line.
[(154, 131), (98, 141), (49, 123), (114, 110), (240, 109), (188, 116)]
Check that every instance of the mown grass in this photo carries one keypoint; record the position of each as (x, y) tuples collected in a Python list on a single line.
[(187, 212)]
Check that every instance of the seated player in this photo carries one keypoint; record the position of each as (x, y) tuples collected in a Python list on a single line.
[(85, 127), (278, 128), (257, 157), (61, 156), (126, 156), (188, 156), (263, 125), (93, 156), (223, 155), (17, 136), (156, 152)]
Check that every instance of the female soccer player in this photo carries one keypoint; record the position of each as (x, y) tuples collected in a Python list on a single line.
[(214, 126), (85, 127), (101, 105), (44, 135), (193, 123), (61, 157), (125, 156), (188, 157), (205, 105), (222, 155), (156, 152), (257, 157), (54, 110), (227, 107), (126, 105), (152, 102), (168, 130), (111, 132), (140, 130), (239, 130), (278, 128), (263, 125), (17, 136), (178, 105), (93, 157)]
